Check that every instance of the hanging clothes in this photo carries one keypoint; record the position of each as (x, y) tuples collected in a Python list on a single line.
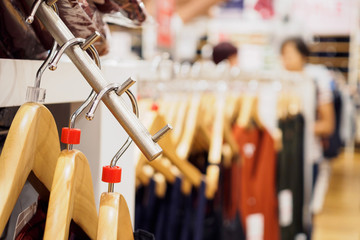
[(176, 216), (290, 177), (232, 228), (258, 201), (34, 229)]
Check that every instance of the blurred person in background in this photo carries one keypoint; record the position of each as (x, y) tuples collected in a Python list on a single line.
[(294, 54), (225, 51)]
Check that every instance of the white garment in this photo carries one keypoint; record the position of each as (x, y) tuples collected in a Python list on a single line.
[(322, 77)]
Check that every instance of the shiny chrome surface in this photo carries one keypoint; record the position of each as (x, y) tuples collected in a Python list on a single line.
[(95, 78)]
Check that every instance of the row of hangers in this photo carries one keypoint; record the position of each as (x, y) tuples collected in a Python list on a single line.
[(203, 119), (32, 152)]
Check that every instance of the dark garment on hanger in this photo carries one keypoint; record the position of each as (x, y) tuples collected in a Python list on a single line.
[(213, 221), (34, 229), (143, 235), (186, 216), (83, 19), (173, 209), (139, 206), (258, 178), (232, 229), (158, 215), (199, 217), (290, 172), (150, 208), (161, 221), (18, 39)]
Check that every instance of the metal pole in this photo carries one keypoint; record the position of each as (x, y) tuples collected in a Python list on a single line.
[(95, 78)]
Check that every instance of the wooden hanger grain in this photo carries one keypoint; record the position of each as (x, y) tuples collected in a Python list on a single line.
[(32, 145), (71, 197)]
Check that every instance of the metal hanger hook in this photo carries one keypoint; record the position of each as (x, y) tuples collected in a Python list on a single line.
[(88, 100), (84, 44), (119, 90)]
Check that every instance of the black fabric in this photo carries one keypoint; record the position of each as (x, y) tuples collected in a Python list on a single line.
[(170, 230), (212, 221), (143, 235), (18, 39), (199, 216), (185, 213), (139, 207), (232, 229), (149, 210), (290, 171)]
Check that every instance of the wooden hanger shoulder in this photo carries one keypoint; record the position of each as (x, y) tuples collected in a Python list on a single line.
[(114, 218), (244, 117), (190, 128), (179, 122), (169, 151), (217, 133), (71, 197), (32, 144)]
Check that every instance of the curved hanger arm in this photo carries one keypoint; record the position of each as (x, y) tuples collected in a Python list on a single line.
[(114, 218), (71, 197), (32, 144)]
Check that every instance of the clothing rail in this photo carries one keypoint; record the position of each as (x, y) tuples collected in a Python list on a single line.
[(94, 77), (243, 82)]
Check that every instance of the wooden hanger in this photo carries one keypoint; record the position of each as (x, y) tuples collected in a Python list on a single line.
[(217, 133), (231, 111), (191, 123), (255, 112), (32, 145), (179, 123), (249, 112), (155, 122), (216, 146), (159, 166), (114, 218), (244, 117), (71, 197)]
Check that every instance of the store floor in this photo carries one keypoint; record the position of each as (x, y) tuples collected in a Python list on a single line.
[(340, 216)]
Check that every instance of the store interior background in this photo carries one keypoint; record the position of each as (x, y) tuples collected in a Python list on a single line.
[(176, 42), (330, 28)]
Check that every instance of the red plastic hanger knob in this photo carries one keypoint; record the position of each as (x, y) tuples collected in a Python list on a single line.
[(154, 107), (111, 174), (70, 135)]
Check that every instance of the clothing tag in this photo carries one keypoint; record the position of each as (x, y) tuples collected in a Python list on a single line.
[(255, 227), (285, 207), (249, 150), (300, 236), (24, 217)]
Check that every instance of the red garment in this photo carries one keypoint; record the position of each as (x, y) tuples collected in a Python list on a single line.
[(258, 178)]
